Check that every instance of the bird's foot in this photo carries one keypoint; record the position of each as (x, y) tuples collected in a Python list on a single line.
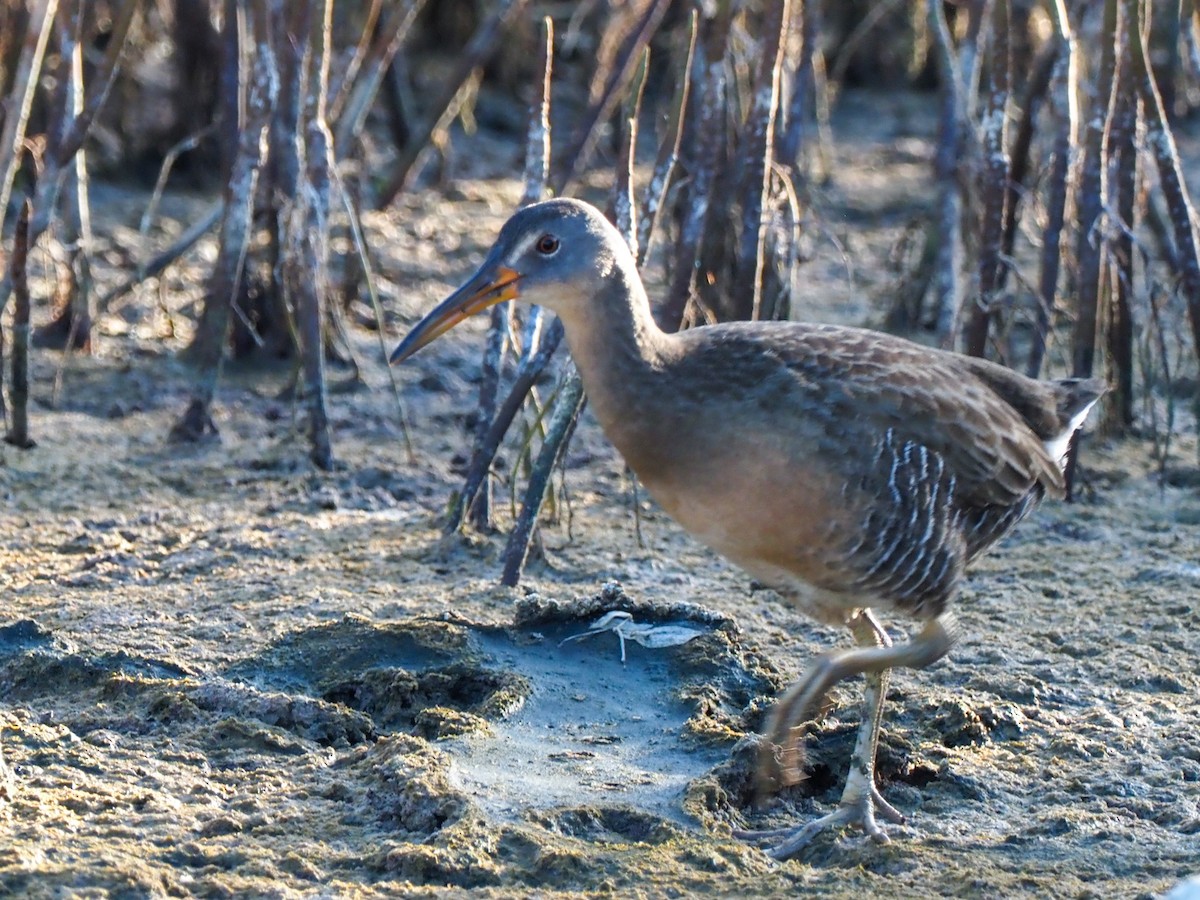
[(859, 811)]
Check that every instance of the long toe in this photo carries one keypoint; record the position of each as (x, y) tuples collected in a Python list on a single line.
[(886, 809), (784, 843)]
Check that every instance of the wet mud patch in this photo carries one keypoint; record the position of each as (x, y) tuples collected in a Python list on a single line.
[(608, 824), (306, 658), (599, 731), (433, 751), (446, 701)]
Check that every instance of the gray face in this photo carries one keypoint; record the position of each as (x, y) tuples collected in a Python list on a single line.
[(560, 249), (556, 254)]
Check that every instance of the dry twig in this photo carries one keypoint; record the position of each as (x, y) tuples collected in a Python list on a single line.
[(994, 176), (18, 392), (478, 49), (261, 88)]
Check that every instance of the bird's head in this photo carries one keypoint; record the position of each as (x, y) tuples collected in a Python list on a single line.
[(557, 254)]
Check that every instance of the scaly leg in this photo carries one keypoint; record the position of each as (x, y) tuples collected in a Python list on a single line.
[(868, 632), (874, 656)]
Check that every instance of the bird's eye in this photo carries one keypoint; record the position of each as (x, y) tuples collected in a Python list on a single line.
[(547, 245)]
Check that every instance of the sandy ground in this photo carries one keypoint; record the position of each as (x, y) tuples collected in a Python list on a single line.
[(223, 673)]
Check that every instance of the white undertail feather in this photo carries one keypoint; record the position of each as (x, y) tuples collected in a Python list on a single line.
[(1057, 446)]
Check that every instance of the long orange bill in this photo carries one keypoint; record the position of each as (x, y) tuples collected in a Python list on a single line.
[(487, 287)]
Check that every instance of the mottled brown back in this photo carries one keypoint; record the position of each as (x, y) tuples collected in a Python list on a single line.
[(942, 453)]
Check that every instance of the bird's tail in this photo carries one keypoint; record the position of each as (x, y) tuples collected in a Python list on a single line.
[(1074, 399)]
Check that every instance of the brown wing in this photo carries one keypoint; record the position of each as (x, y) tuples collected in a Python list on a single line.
[(858, 385), (930, 462)]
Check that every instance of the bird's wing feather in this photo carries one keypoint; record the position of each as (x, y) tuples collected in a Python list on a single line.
[(859, 385)]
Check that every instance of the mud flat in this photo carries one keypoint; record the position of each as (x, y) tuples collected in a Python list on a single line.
[(224, 674)]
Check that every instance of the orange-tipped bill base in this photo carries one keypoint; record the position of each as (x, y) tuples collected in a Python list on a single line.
[(486, 288)]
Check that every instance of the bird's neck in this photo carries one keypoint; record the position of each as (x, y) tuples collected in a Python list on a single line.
[(619, 350)]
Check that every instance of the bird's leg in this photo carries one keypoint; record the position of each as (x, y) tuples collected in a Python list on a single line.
[(802, 699), (874, 656), (860, 793)]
